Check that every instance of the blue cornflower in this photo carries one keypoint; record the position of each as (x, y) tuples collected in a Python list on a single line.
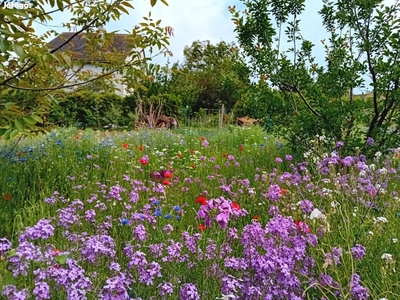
[(168, 216), (156, 202), (177, 208), (124, 221), (23, 159), (177, 217), (158, 212)]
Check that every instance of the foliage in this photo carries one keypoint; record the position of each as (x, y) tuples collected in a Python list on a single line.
[(209, 76), (195, 214), (362, 43), (90, 109), (29, 82)]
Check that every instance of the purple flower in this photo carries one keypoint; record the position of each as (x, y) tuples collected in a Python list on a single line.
[(205, 144), (339, 144), (166, 288), (189, 292), (12, 293), (42, 230), (307, 206), (278, 160), (41, 290), (358, 251), (370, 141), (5, 245), (288, 157), (274, 192), (356, 290)]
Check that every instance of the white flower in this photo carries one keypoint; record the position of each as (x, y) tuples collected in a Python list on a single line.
[(387, 256), (372, 167), (335, 204), (316, 214), (383, 171), (371, 232), (226, 297), (380, 219), (394, 240), (378, 154)]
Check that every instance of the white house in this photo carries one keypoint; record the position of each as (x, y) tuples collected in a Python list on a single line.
[(77, 47)]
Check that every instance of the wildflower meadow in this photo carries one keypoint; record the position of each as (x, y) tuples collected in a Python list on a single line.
[(196, 214)]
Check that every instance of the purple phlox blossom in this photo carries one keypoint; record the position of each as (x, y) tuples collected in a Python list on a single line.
[(115, 288), (42, 230), (115, 192), (97, 246), (166, 288), (307, 206), (5, 245), (12, 293), (357, 290), (333, 257), (205, 144), (358, 251), (41, 290), (274, 192), (370, 141), (339, 144), (139, 232), (189, 291)]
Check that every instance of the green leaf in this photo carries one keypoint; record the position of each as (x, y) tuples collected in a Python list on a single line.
[(62, 259), (29, 120), (9, 105), (20, 124), (14, 133), (18, 50), (6, 134), (153, 2), (4, 45), (37, 118), (66, 58), (2, 131), (60, 5)]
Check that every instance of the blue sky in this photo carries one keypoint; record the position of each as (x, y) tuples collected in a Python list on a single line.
[(203, 20)]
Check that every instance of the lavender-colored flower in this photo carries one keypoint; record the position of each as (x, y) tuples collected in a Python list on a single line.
[(5, 245), (370, 141), (339, 144), (288, 157), (42, 230), (274, 192), (115, 289), (140, 233), (189, 292), (166, 288), (90, 214), (41, 290), (357, 290), (334, 256), (358, 251), (307, 206), (12, 293), (278, 160), (168, 229), (205, 144), (273, 210), (97, 246)]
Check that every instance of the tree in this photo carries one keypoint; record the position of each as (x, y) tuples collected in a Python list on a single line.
[(29, 81), (210, 75), (363, 43)]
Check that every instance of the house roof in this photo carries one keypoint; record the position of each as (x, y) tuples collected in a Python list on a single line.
[(78, 45)]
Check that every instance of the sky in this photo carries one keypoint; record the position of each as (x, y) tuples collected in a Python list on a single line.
[(202, 20)]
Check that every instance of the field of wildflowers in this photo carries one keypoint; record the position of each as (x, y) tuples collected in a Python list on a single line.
[(195, 214)]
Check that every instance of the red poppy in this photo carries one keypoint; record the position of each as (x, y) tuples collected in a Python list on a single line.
[(144, 160), (202, 200), (168, 174), (203, 138), (201, 227), (302, 226), (126, 146), (235, 206), (140, 148), (283, 191), (179, 154), (255, 217), (223, 154), (7, 197), (193, 166), (241, 148), (191, 151), (165, 182)]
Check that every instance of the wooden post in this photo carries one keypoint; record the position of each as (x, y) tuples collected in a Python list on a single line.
[(221, 116)]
